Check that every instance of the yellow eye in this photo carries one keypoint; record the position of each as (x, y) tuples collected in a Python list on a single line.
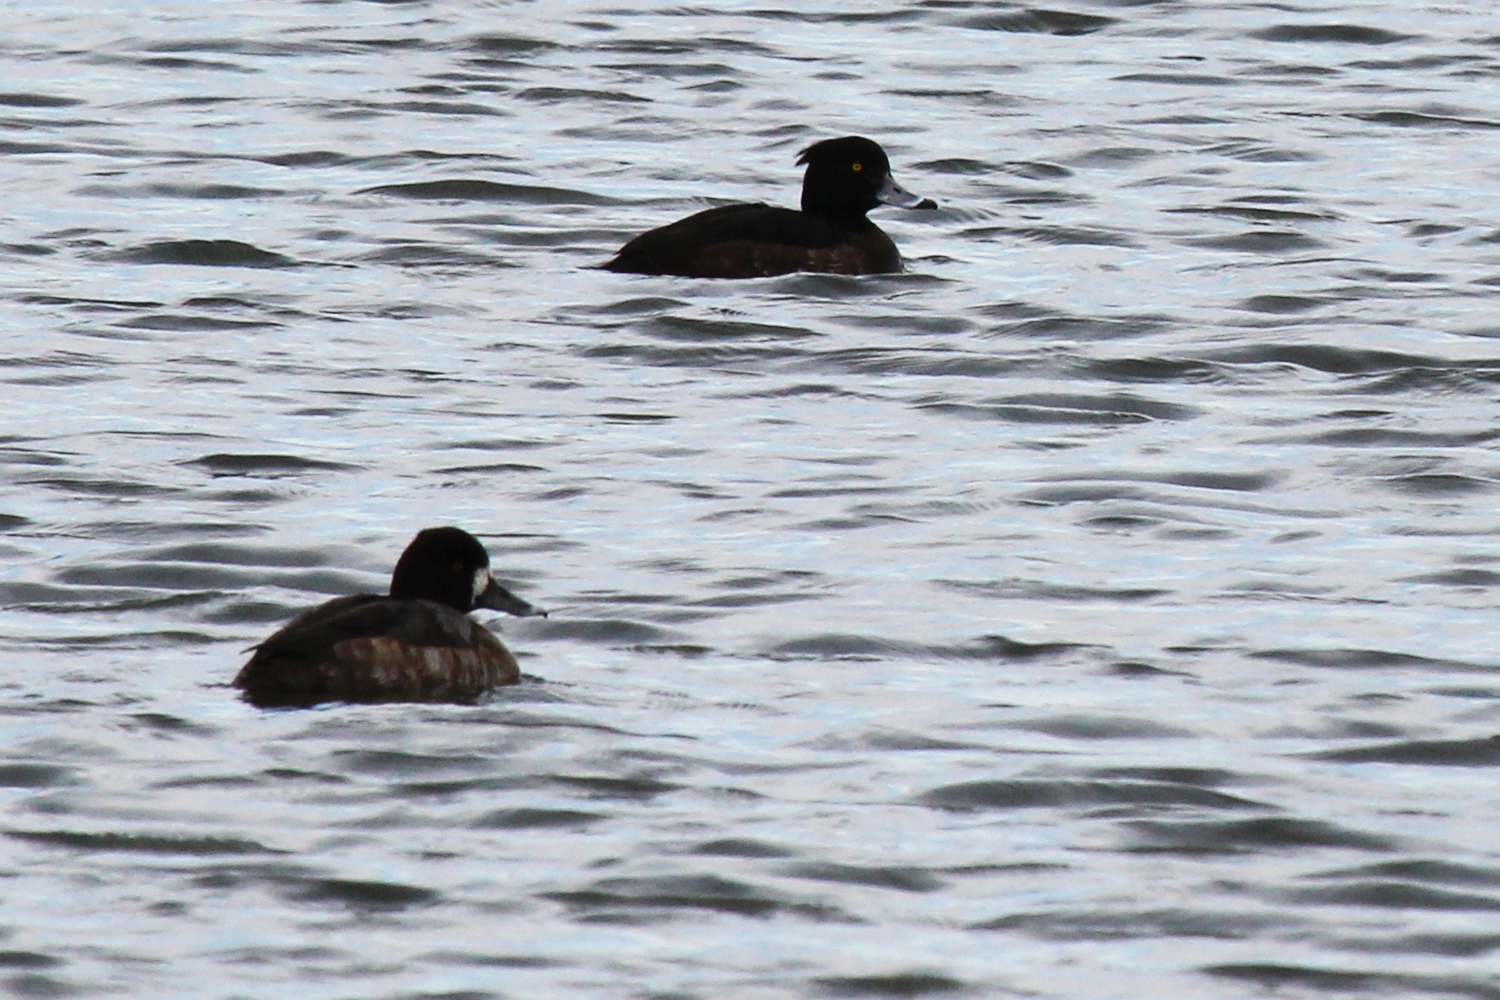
[(858, 167)]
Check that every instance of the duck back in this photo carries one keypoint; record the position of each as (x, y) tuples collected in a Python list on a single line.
[(758, 240), (367, 648)]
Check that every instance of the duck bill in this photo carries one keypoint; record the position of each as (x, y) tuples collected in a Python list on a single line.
[(891, 193), (497, 597)]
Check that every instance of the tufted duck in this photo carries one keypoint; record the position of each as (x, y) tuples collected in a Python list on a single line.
[(417, 644), (845, 179)]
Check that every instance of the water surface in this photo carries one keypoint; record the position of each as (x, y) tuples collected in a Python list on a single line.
[(1099, 608)]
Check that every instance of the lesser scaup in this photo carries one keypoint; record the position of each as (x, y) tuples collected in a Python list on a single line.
[(416, 644), (845, 179)]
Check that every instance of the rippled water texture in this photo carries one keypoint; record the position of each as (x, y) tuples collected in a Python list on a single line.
[(1102, 608)]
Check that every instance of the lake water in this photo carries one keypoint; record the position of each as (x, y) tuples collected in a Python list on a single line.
[(1103, 608)]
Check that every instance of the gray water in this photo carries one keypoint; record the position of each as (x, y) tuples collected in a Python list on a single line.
[(1103, 608)]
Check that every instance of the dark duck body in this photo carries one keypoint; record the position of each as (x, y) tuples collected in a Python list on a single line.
[(845, 179), (415, 644)]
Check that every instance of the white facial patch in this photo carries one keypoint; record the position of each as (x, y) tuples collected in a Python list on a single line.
[(481, 581)]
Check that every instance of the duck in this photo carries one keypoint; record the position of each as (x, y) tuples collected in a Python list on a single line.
[(845, 178), (416, 643)]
